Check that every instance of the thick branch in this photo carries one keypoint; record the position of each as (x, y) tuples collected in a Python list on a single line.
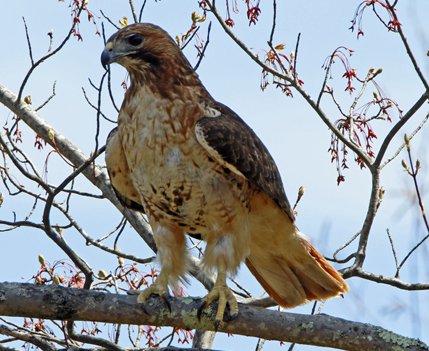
[(55, 302)]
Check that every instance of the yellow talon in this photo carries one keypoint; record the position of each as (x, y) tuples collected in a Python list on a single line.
[(224, 295), (159, 287)]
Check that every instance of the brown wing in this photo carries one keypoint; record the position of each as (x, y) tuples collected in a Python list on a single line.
[(117, 168), (227, 136)]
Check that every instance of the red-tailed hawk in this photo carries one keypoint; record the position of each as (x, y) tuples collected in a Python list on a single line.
[(195, 167)]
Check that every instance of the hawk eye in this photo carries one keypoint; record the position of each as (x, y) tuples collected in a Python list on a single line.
[(135, 40)]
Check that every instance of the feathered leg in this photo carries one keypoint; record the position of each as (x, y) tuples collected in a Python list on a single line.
[(173, 258)]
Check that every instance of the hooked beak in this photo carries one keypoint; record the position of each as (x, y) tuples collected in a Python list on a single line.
[(108, 56)]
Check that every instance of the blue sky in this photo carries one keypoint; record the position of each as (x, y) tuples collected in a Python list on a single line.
[(297, 139)]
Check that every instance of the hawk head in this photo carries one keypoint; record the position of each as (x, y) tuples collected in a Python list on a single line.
[(145, 49)]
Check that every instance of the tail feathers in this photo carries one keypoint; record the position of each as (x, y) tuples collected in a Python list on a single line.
[(301, 276)]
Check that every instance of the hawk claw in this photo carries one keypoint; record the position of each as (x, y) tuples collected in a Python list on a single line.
[(231, 317), (165, 297), (200, 309), (143, 306), (225, 299), (217, 323), (159, 288)]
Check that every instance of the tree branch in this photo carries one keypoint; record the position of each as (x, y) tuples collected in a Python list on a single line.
[(39, 342), (55, 302)]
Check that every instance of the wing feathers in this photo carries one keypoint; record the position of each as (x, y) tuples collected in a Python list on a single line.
[(227, 137), (119, 173)]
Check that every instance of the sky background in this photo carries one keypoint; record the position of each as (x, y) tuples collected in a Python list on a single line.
[(297, 139)]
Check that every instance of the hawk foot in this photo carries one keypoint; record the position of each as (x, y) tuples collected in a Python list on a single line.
[(224, 295), (160, 287)]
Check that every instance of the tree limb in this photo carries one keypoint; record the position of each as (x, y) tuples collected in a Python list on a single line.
[(55, 302)]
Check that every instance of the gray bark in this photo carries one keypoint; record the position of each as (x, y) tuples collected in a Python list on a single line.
[(59, 303)]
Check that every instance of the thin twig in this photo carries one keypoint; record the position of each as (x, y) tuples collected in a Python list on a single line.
[(51, 41), (97, 131), (48, 99), (407, 47), (295, 59), (91, 339), (260, 344), (382, 279), (172, 337), (413, 174), (109, 20), (345, 245), (325, 81), (394, 253), (37, 179), (247, 292), (411, 136), (123, 221), (190, 38), (96, 108), (45, 57), (28, 42), (141, 10), (204, 48), (273, 27), (133, 11), (115, 243)]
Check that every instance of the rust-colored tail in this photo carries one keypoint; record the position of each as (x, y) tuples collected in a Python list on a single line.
[(290, 270)]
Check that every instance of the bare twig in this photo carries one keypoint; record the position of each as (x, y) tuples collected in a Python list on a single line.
[(344, 246), (246, 291), (45, 57), (96, 108), (121, 224), (48, 99), (141, 10), (411, 136), (407, 47), (190, 38), (91, 339), (413, 173), (133, 11), (394, 253), (273, 27), (204, 48), (382, 279), (295, 59), (260, 344), (109, 20), (28, 42)]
